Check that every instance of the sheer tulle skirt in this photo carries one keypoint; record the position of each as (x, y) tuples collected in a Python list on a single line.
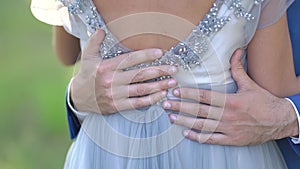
[(145, 139)]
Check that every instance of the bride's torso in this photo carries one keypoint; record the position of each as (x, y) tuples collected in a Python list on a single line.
[(202, 54), (189, 10), (208, 32)]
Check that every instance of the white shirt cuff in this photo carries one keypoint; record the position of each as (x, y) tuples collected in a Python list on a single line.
[(295, 140), (80, 115)]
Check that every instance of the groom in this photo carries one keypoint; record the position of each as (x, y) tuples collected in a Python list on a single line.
[(262, 116), (290, 150)]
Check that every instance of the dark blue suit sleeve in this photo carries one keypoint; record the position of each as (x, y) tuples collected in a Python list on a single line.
[(289, 150), (293, 15), (296, 100), (73, 122)]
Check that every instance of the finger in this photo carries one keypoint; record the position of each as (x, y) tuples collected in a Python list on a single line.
[(195, 109), (134, 58), (208, 138), (142, 89), (203, 96), (139, 102), (238, 72), (141, 75), (90, 57), (206, 125), (92, 48)]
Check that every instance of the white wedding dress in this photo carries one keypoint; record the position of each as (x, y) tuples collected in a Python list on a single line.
[(145, 138)]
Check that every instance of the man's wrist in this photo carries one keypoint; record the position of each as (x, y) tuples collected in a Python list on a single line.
[(83, 94), (80, 115)]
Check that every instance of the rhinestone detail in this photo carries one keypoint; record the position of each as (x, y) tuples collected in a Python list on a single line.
[(186, 54)]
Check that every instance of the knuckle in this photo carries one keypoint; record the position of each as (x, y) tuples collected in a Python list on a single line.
[(107, 106), (129, 57), (163, 84), (124, 60), (154, 98), (156, 72), (200, 111), (142, 90), (140, 76), (178, 106), (101, 70), (138, 102), (108, 96), (198, 125), (199, 138), (211, 140), (104, 81), (160, 72), (155, 87), (204, 96)]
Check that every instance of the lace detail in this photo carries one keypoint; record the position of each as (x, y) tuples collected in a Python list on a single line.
[(187, 54)]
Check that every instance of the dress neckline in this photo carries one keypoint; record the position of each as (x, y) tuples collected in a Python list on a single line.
[(100, 18), (189, 52)]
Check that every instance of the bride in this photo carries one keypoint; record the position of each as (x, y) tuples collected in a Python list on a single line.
[(197, 39)]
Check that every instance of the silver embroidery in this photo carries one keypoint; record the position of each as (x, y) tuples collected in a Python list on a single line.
[(186, 54), (239, 10), (211, 23)]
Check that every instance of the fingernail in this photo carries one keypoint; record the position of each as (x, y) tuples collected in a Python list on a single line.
[(185, 133), (176, 92), (157, 53), (173, 69), (172, 83), (166, 105), (164, 93), (99, 30), (173, 117)]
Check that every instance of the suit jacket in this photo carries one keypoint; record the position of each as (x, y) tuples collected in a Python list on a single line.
[(291, 151)]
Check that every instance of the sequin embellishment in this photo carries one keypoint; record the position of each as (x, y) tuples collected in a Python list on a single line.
[(186, 54)]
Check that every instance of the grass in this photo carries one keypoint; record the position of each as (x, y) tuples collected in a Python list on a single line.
[(33, 127)]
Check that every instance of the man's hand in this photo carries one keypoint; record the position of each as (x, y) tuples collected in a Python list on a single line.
[(250, 116)]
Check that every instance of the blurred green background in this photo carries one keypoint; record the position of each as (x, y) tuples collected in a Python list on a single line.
[(33, 127)]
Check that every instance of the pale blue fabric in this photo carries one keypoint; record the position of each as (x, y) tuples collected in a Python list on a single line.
[(86, 152), (145, 138)]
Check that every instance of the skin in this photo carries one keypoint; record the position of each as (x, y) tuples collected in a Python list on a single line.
[(251, 116), (270, 65), (109, 99), (66, 47)]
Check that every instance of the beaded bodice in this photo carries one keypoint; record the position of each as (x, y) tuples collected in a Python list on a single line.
[(205, 52), (187, 53)]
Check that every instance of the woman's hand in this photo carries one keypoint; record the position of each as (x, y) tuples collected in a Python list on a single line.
[(102, 86)]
